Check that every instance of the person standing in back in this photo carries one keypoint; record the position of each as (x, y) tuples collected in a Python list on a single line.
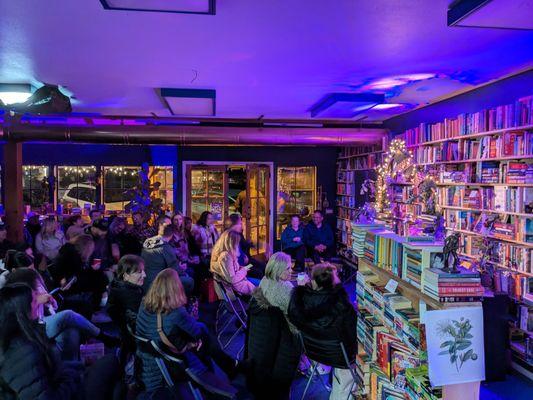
[(206, 235), (292, 242), (318, 238)]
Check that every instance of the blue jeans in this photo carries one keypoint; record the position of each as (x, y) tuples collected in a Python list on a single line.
[(254, 281), (67, 328)]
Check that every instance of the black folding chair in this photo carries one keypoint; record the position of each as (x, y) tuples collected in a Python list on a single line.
[(314, 350), (230, 304)]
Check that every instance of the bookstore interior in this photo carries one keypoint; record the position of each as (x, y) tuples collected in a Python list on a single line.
[(386, 143)]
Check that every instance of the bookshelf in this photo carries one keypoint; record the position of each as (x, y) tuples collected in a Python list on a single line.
[(482, 166)]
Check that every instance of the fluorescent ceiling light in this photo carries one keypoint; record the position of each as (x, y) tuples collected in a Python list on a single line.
[(190, 102), (170, 6), (11, 93), (345, 105), (386, 106)]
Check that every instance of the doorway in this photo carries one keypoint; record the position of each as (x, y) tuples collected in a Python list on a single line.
[(224, 188)]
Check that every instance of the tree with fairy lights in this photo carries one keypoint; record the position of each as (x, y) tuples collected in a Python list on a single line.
[(397, 167), (142, 196)]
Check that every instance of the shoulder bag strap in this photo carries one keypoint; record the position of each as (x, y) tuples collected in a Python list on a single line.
[(164, 337)]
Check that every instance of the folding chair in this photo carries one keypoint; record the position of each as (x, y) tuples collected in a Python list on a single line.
[(233, 305), (314, 352)]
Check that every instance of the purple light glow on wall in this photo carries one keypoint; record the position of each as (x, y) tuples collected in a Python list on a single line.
[(382, 84)]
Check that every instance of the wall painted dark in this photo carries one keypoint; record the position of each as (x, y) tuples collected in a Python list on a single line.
[(499, 93)]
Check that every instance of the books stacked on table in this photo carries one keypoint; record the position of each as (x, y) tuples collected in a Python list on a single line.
[(418, 386), (448, 287), (359, 232)]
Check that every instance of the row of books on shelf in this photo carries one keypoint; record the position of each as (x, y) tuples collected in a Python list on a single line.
[(346, 201), (344, 231), (513, 144), (498, 198), (445, 286), (511, 172), (508, 227), (363, 162), (521, 335), (354, 151), (345, 176), (347, 189), (519, 113)]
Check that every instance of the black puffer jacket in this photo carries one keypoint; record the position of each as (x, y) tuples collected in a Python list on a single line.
[(325, 317), (25, 375), (273, 350), (124, 302)]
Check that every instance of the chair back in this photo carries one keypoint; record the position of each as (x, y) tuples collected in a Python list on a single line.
[(330, 351)]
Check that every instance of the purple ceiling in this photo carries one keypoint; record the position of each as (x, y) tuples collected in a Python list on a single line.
[(274, 58)]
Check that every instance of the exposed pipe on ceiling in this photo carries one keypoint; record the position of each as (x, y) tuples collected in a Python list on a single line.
[(192, 135)]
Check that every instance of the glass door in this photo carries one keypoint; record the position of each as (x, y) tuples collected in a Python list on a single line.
[(257, 209), (207, 192)]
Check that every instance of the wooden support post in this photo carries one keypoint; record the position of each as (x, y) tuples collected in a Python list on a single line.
[(14, 212)]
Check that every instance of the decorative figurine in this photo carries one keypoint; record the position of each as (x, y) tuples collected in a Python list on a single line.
[(451, 245)]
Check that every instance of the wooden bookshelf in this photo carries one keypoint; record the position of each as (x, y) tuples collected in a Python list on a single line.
[(525, 244), (473, 136), (406, 289), (488, 211), (359, 155), (475, 160), (481, 184)]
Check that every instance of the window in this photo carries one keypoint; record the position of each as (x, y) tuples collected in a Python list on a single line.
[(76, 186), (165, 177), (35, 186), (296, 194), (117, 182)]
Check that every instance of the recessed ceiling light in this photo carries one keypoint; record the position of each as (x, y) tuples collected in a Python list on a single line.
[(169, 6), (11, 93), (386, 106), (190, 102)]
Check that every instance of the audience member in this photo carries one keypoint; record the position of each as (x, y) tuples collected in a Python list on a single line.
[(95, 215), (258, 268), (318, 237), (50, 239), (158, 255), (32, 228), (73, 261), (194, 250), (177, 226), (122, 241), (273, 351), (206, 234), (66, 327), (30, 367), (5, 244), (323, 311), (292, 242), (225, 264), (75, 226), (162, 317), (102, 253), (125, 296), (13, 261), (140, 229)]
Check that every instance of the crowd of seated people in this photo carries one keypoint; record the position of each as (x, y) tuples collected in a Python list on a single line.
[(144, 276)]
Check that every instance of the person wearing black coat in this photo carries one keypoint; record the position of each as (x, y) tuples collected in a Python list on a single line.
[(273, 350), (322, 311)]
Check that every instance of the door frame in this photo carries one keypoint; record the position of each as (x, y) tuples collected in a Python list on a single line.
[(270, 164)]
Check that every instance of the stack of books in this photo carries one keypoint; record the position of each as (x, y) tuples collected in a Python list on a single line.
[(418, 386), (490, 172), (359, 232), (452, 288)]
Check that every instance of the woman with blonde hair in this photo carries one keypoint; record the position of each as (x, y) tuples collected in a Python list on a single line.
[(225, 264), (163, 318), (273, 349), (50, 239)]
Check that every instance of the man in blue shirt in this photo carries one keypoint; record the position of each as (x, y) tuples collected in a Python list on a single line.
[(318, 238), (292, 242)]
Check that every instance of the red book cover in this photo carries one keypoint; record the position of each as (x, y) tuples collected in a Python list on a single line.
[(493, 150)]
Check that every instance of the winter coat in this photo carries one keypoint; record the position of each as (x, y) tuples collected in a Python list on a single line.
[(157, 255), (326, 317), (226, 268), (314, 236), (123, 303), (24, 375), (273, 350), (50, 245), (289, 234), (180, 328)]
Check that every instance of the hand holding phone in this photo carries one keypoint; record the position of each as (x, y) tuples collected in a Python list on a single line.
[(248, 267)]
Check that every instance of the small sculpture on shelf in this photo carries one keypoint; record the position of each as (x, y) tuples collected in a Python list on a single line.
[(365, 214), (451, 246), (486, 267)]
